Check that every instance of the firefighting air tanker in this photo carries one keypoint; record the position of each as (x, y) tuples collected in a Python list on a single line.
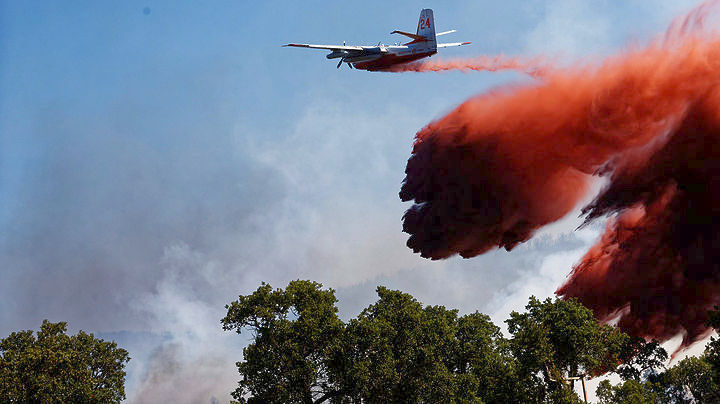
[(381, 57)]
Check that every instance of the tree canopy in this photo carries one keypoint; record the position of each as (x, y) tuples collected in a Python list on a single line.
[(554, 340), (395, 350), (398, 350), (692, 380), (295, 332), (53, 367)]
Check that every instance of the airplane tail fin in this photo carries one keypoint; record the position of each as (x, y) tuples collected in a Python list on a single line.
[(426, 25), (424, 40)]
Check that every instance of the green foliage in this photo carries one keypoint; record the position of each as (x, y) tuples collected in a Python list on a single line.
[(629, 392), (689, 381), (712, 350), (296, 332), (56, 368), (397, 350), (692, 380), (641, 359), (484, 353), (558, 339), (563, 394), (401, 352)]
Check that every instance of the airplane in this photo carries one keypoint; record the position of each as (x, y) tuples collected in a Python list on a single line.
[(382, 57)]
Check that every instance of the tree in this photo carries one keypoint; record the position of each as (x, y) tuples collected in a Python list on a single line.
[(557, 339), (692, 380), (295, 332), (57, 368), (712, 349), (689, 381), (397, 350), (641, 359), (400, 351), (485, 354), (630, 392)]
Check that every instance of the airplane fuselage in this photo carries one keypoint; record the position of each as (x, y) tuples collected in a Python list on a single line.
[(389, 56)]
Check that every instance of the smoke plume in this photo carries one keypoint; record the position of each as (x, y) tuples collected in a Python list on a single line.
[(505, 163)]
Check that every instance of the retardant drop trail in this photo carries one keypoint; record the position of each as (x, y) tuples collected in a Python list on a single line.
[(534, 67)]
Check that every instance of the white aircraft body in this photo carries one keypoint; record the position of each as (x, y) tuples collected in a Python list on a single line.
[(381, 57)]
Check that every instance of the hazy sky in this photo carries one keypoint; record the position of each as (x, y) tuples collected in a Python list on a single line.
[(158, 158)]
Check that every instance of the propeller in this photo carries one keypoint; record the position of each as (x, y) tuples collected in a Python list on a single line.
[(341, 59)]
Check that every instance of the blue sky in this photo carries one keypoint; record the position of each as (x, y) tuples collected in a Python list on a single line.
[(159, 158)]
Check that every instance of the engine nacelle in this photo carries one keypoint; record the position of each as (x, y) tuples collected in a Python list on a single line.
[(337, 54)]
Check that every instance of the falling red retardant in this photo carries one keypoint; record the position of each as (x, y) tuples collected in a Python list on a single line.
[(657, 267), (503, 164), (534, 67)]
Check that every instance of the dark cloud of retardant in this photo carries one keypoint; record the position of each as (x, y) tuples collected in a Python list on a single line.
[(505, 163), (657, 266)]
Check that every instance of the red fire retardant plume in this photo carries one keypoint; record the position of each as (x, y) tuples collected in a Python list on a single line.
[(505, 163), (533, 67), (657, 266)]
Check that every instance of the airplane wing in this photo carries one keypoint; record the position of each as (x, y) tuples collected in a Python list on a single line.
[(446, 32), (328, 47), (446, 45)]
